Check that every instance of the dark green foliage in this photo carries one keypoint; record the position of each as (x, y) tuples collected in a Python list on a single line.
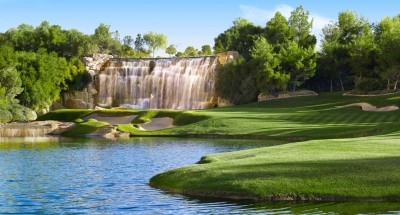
[(366, 85), (65, 115), (206, 50), (43, 77), (190, 51), (236, 82), (280, 54), (22, 114), (240, 37), (80, 77), (277, 30), (5, 116)]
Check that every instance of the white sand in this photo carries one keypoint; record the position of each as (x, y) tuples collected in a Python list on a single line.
[(113, 120), (368, 107), (158, 123)]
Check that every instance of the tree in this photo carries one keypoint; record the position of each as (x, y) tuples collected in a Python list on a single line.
[(236, 82), (266, 64), (128, 40), (240, 37), (78, 45), (277, 31), (10, 82), (300, 28), (107, 41), (348, 49), (43, 77), (388, 46), (139, 44), (299, 62), (180, 54), (205, 50), (171, 50), (190, 51), (155, 41)]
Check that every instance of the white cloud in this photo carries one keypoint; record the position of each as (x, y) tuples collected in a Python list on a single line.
[(262, 16)]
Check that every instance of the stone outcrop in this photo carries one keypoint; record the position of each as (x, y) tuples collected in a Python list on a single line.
[(227, 57), (84, 99), (109, 132), (34, 129), (95, 63)]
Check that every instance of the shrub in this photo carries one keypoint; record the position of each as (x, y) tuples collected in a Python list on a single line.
[(369, 84), (5, 116), (22, 114)]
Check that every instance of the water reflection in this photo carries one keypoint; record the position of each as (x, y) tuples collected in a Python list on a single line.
[(96, 176)]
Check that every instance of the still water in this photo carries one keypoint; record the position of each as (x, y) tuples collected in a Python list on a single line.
[(93, 176)]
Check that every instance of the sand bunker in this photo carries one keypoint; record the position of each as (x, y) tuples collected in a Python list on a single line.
[(122, 119), (368, 107), (158, 123)]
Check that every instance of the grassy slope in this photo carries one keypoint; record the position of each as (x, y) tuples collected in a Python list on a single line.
[(84, 128), (337, 169), (297, 118), (359, 168)]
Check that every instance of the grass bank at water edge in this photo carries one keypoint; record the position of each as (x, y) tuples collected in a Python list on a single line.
[(327, 170)]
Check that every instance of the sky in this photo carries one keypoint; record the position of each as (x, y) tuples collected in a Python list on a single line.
[(184, 22)]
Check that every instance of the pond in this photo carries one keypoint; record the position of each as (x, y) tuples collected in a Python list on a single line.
[(95, 176)]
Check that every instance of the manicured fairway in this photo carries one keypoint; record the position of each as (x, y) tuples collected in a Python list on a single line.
[(346, 153), (335, 170)]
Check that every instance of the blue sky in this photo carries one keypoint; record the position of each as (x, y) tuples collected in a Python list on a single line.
[(185, 22)]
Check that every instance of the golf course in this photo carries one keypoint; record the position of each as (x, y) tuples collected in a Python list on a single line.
[(324, 151)]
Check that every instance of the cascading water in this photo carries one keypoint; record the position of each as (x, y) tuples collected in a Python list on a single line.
[(23, 130), (34, 129), (176, 83)]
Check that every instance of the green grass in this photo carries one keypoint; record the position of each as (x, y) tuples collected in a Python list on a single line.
[(301, 118), (84, 128), (362, 165), (336, 169), (65, 115), (363, 168)]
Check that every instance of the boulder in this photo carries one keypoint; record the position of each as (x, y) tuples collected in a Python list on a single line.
[(227, 57), (77, 104)]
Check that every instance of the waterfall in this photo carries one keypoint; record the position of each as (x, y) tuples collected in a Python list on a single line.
[(175, 83), (23, 130)]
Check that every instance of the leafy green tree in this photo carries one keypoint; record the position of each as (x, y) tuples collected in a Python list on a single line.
[(299, 62), (236, 82), (43, 77), (266, 63), (107, 41), (50, 37), (240, 37), (348, 49), (180, 54), (10, 81), (23, 38), (128, 40), (155, 41), (80, 77), (139, 43), (300, 28), (206, 50), (388, 46), (277, 31), (171, 50), (78, 45), (190, 51)]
